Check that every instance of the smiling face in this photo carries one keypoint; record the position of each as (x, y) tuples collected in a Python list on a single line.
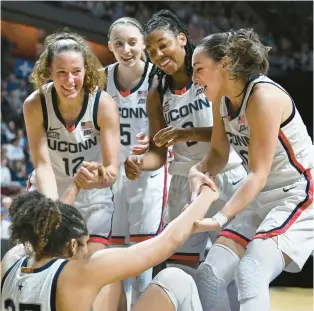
[(207, 73), (166, 50), (126, 43), (68, 73)]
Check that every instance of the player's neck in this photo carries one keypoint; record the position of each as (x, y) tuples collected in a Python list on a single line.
[(131, 73), (233, 89), (70, 105), (33, 263), (180, 79)]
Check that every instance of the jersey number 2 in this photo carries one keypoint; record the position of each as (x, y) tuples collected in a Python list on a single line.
[(75, 163), (9, 305), (189, 124)]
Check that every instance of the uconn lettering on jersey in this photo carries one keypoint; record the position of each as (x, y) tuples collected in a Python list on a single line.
[(64, 146), (132, 113), (185, 110), (238, 140)]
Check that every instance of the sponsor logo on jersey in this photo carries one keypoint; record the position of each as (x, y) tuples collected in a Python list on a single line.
[(86, 125), (185, 110), (142, 101)]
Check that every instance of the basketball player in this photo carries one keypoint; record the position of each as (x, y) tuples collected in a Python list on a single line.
[(71, 122), (180, 115), (139, 205), (270, 216), (48, 279)]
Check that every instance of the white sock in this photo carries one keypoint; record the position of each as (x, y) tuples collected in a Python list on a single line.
[(127, 285)]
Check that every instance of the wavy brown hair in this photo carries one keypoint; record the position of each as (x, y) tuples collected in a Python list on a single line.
[(247, 56), (65, 41)]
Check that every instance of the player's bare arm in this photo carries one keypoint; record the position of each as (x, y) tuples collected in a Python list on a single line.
[(37, 139), (109, 265), (215, 159)]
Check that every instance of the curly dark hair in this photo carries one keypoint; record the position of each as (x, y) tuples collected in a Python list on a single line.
[(167, 20), (44, 224), (64, 41)]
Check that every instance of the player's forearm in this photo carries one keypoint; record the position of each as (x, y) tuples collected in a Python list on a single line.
[(153, 159), (70, 194), (178, 231), (46, 181), (213, 163), (246, 192), (197, 134)]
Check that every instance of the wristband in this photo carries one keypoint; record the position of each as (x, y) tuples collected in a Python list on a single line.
[(220, 218)]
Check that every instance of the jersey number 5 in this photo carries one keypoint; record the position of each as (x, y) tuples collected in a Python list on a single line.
[(72, 166), (125, 135), (9, 305)]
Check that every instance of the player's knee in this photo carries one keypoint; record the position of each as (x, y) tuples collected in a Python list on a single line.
[(249, 277), (210, 284), (176, 283), (215, 274)]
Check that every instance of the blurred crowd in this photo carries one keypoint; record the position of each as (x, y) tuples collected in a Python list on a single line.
[(291, 48), (291, 51)]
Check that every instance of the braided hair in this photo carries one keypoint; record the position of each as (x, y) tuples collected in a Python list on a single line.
[(165, 19), (44, 224)]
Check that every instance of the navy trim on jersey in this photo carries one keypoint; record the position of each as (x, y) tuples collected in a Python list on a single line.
[(44, 267), (8, 272), (187, 87), (53, 294), (58, 113), (95, 109), (235, 115), (268, 82), (308, 183), (116, 83), (44, 109)]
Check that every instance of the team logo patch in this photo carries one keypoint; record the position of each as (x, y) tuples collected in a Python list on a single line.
[(142, 101), (243, 127), (53, 135), (87, 132), (165, 106), (86, 125), (199, 91)]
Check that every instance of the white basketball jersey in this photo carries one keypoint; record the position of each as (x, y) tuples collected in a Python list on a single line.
[(132, 108), (31, 289), (294, 150), (69, 147), (189, 108)]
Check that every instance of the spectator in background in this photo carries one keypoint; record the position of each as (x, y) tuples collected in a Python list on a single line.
[(5, 171), (5, 224), (18, 172), (8, 130), (15, 152)]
